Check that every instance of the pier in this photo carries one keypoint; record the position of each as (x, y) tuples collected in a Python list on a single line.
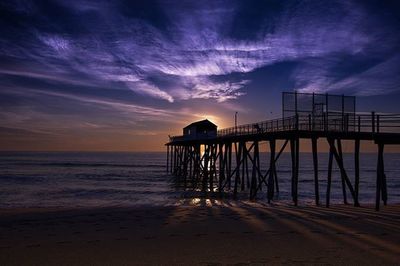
[(228, 160)]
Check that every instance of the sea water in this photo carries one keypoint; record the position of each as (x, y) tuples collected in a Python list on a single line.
[(106, 179)]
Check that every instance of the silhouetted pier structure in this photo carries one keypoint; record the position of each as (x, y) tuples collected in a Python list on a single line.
[(228, 160)]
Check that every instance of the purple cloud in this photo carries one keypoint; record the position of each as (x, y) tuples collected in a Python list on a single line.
[(194, 48), (130, 52)]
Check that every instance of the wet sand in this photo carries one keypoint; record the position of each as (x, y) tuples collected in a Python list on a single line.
[(244, 234)]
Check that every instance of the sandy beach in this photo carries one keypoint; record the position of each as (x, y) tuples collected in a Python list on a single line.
[(211, 233)]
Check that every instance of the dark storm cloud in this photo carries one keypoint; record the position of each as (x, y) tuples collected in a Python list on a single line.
[(137, 57)]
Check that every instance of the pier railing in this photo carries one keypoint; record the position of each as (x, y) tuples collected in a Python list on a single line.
[(372, 123), (335, 122)]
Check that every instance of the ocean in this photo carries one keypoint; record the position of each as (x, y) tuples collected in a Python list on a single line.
[(108, 179)]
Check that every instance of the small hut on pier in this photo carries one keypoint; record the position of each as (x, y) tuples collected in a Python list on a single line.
[(200, 130)]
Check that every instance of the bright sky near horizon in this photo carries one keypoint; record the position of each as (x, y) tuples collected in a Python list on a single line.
[(123, 75)]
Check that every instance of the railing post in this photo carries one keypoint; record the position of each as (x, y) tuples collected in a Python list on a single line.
[(297, 122), (359, 123), (373, 121)]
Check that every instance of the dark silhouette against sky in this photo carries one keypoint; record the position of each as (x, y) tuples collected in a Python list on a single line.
[(122, 75)]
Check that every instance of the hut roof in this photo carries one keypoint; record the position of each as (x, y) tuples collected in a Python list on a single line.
[(202, 124)]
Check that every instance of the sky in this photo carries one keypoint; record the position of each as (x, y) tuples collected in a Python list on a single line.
[(123, 75)]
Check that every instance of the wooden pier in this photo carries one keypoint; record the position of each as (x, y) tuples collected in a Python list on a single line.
[(228, 160)]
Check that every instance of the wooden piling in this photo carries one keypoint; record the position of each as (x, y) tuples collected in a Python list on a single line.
[(185, 160), (379, 173), (191, 161), (356, 167), (343, 174), (297, 166), (212, 167), (238, 151), (221, 168), (205, 169), (270, 191), (294, 147), (256, 166), (381, 189), (244, 166), (247, 166), (339, 148), (175, 159), (229, 166), (315, 162), (171, 160), (276, 176), (329, 179)]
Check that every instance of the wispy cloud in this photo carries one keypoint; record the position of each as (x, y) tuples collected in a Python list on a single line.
[(382, 78), (221, 91), (149, 89), (194, 46), (125, 107)]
